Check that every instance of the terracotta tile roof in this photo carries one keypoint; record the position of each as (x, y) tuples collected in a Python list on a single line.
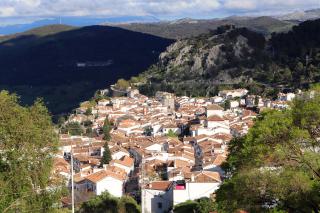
[(214, 107), (77, 178), (219, 160), (207, 176), (181, 163), (215, 118), (247, 113), (98, 176), (222, 136), (125, 161), (159, 185), (61, 165)]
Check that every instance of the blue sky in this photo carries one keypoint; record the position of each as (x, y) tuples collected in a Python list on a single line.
[(14, 11)]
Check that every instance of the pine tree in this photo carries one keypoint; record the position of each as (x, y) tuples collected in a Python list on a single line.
[(106, 158), (106, 129), (227, 105)]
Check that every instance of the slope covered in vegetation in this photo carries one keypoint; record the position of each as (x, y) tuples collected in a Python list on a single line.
[(66, 67), (238, 57)]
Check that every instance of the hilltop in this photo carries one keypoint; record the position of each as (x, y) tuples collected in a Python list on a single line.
[(238, 57), (39, 31), (185, 28)]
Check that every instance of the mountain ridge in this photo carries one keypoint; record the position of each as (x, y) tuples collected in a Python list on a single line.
[(231, 57)]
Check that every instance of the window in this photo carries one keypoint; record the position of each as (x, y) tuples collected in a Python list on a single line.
[(159, 205)]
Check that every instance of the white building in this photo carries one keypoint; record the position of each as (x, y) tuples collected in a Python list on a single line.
[(286, 97), (203, 184), (105, 181), (157, 197), (126, 163), (233, 93), (214, 110)]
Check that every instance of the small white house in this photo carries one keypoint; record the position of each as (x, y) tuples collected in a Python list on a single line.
[(214, 110), (126, 163), (233, 93), (234, 104), (202, 184), (105, 180), (118, 153), (216, 121), (217, 99), (157, 197)]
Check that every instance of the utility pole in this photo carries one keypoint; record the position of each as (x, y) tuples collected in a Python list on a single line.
[(143, 184), (72, 184)]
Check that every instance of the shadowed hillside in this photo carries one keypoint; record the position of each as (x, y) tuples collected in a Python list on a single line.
[(67, 67)]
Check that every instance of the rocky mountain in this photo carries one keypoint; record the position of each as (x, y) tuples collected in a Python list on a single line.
[(195, 66), (231, 57), (301, 15)]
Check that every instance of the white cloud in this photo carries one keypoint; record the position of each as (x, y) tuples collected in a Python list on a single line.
[(243, 4), (159, 8), (270, 5), (7, 11)]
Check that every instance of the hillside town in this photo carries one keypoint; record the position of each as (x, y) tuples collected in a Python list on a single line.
[(164, 150)]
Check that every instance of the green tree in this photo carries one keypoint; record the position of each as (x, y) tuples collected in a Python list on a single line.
[(106, 158), (202, 205), (107, 126), (148, 131), (106, 203), (256, 100), (188, 206), (27, 143), (172, 134), (72, 128), (88, 111), (276, 166), (122, 84), (227, 105), (61, 121)]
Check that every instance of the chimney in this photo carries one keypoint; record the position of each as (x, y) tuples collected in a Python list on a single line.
[(192, 177)]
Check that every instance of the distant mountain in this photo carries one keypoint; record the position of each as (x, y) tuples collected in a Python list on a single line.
[(65, 65), (301, 15), (73, 21), (185, 28), (39, 31)]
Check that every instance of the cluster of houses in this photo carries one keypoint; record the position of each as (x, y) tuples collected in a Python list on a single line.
[(165, 150)]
